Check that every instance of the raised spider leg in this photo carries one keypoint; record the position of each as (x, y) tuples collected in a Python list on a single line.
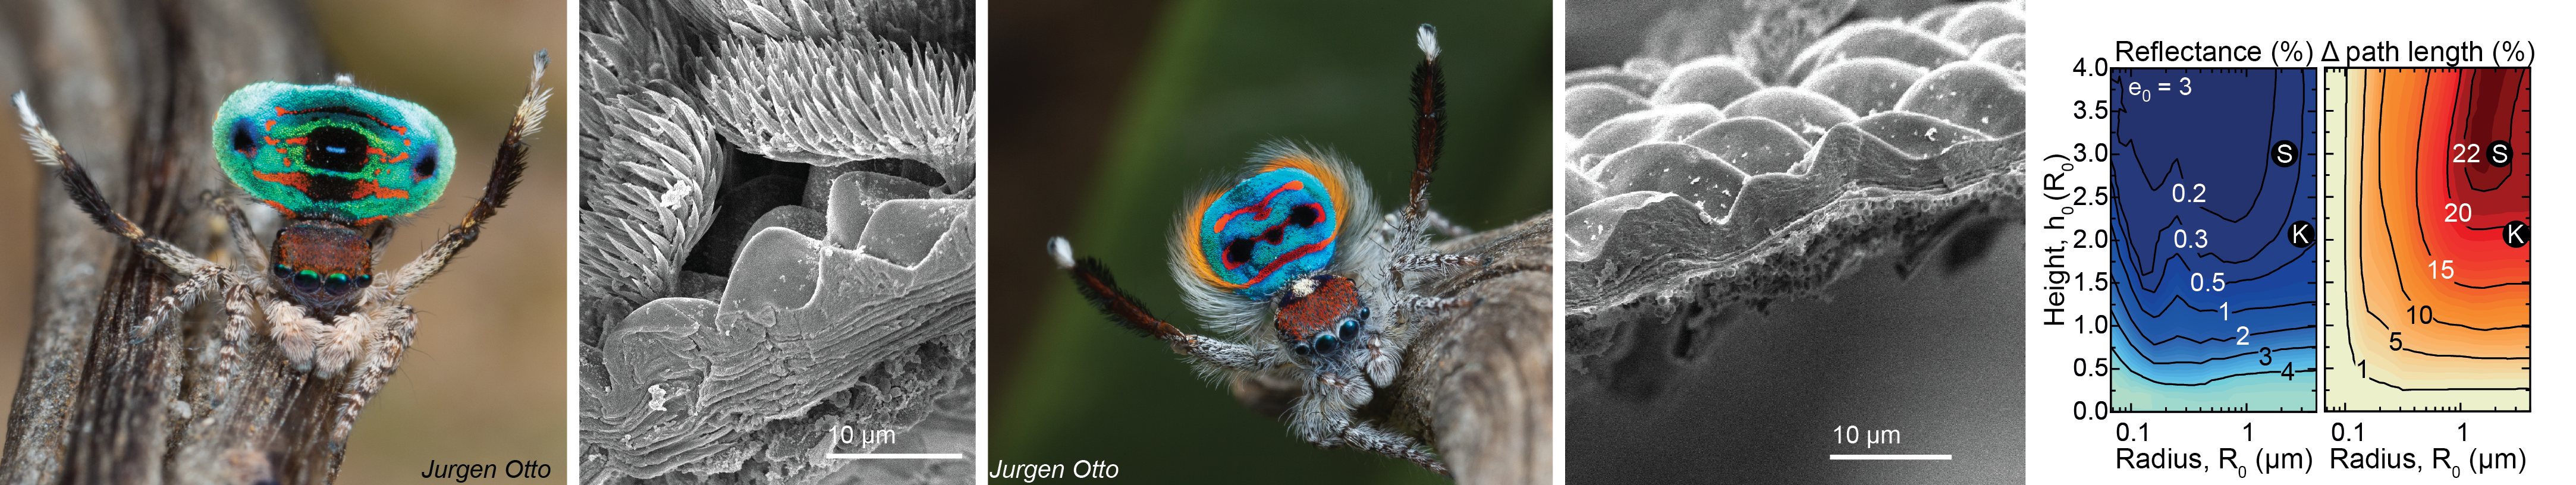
[(1096, 284), (506, 169), (241, 290), (1430, 123), (384, 324), (197, 275)]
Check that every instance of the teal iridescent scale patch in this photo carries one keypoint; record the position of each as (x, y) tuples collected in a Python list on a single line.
[(1268, 229), (333, 152)]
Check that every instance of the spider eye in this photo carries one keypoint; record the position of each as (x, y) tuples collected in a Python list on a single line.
[(1302, 349), (336, 280), (1350, 329), (365, 280), (281, 271), (306, 280), (1326, 343)]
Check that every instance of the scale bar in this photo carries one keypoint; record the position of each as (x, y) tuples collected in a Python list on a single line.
[(899, 456), (1889, 457)]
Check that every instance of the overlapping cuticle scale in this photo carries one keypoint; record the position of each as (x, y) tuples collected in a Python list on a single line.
[(687, 383), (1875, 121)]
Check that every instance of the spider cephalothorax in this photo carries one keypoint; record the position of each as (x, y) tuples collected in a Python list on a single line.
[(339, 164), (321, 264), (1291, 257), (1319, 317)]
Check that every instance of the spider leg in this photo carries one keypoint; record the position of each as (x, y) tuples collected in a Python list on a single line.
[(1430, 121), (506, 169), (1433, 262), (386, 339), (183, 295), (1362, 435), (1440, 224), (1431, 303), (238, 294), (198, 275), (1319, 420), (1096, 284), (245, 244), (85, 194), (238, 304)]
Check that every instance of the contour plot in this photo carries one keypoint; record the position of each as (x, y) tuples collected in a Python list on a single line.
[(2213, 258), (2428, 260)]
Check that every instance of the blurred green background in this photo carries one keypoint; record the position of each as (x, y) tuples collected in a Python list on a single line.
[(1105, 114), (484, 381)]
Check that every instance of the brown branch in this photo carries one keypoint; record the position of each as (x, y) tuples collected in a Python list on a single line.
[(1482, 374)]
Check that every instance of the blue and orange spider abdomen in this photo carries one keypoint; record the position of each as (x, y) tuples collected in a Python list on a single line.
[(1281, 222), (333, 152)]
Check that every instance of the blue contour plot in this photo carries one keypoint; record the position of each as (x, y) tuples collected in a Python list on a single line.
[(2182, 340)]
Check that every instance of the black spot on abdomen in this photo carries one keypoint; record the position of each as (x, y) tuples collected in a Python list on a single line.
[(329, 188), (242, 141), (336, 149), (425, 164)]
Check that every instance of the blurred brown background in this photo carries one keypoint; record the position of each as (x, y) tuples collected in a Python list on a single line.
[(484, 382)]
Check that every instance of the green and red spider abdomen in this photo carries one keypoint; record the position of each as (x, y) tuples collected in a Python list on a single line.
[(333, 152)]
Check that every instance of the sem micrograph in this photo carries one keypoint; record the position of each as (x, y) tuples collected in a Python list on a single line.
[(778, 241), (1786, 215)]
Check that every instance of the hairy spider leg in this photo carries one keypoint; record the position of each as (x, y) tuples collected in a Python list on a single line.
[(1320, 418), (241, 296), (1430, 125), (196, 275), (1092, 278), (1430, 121), (389, 321), (1430, 128)]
